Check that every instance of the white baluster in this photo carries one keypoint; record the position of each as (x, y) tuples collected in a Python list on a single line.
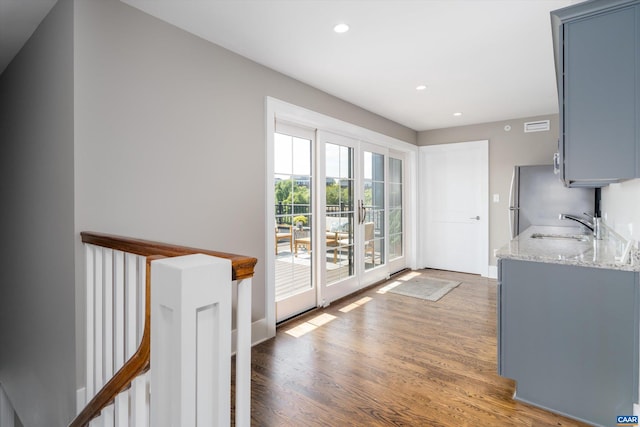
[(243, 354), (108, 314), (139, 394), (142, 277), (191, 341), (122, 409), (107, 416), (89, 251), (131, 286), (98, 327), (119, 303)]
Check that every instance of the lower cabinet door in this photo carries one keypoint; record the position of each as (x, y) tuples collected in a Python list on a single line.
[(569, 337)]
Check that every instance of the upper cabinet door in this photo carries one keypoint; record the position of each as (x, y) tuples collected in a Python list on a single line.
[(599, 90)]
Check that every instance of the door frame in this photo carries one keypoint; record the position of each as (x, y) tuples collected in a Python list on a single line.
[(483, 249), (281, 110)]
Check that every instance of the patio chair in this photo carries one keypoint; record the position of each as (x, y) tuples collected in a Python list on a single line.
[(369, 245), (284, 235)]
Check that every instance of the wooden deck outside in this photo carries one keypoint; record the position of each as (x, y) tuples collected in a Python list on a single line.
[(293, 272)]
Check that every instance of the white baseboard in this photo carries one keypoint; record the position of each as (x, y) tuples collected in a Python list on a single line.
[(258, 334), (493, 272)]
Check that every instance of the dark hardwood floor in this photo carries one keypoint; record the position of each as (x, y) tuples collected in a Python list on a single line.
[(380, 359)]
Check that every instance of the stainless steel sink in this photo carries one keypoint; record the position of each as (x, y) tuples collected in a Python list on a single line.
[(575, 237)]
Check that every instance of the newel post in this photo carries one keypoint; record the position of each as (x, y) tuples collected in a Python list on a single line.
[(190, 341)]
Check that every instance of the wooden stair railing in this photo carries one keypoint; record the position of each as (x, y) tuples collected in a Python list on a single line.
[(242, 267)]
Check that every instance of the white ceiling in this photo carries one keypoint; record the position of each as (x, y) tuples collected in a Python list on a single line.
[(489, 59)]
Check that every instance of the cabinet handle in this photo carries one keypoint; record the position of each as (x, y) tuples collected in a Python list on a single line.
[(556, 163)]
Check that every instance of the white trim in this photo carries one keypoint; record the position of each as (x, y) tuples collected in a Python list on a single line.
[(411, 215), (304, 117), (484, 252), (259, 333), (270, 292), (492, 272)]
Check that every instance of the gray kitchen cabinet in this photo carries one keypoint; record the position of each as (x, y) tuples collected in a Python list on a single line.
[(568, 335), (597, 47)]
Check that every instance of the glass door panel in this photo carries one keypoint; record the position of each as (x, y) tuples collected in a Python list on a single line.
[(293, 194), (373, 218), (340, 227), (339, 213), (396, 213)]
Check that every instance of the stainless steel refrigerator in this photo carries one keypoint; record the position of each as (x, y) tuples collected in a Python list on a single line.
[(538, 197)]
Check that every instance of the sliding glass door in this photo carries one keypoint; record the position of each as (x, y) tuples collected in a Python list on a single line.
[(339, 217), (373, 209), (295, 289), (339, 275), (373, 216), (354, 215), (396, 212)]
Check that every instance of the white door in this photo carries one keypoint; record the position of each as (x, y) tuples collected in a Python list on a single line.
[(293, 230), (374, 213), (354, 239), (340, 234), (454, 207), (396, 212)]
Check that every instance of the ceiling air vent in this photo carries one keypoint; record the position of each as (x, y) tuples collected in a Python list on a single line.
[(541, 126)]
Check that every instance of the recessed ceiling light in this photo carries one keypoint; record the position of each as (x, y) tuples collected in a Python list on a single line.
[(421, 87), (457, 114), (341, 28)]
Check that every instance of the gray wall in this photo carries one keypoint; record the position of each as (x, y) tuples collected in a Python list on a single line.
[(170, 135), (506, 149), (37, 339)]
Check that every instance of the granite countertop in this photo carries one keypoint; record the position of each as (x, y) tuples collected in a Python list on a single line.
[(570, 246)]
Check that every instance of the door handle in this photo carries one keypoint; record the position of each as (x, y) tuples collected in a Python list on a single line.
[(362, 211), (477, 217)]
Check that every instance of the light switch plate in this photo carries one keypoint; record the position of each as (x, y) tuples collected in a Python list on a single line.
[(496, 198)]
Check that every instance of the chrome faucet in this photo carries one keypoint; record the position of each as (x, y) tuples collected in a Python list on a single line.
[(595, 226)]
